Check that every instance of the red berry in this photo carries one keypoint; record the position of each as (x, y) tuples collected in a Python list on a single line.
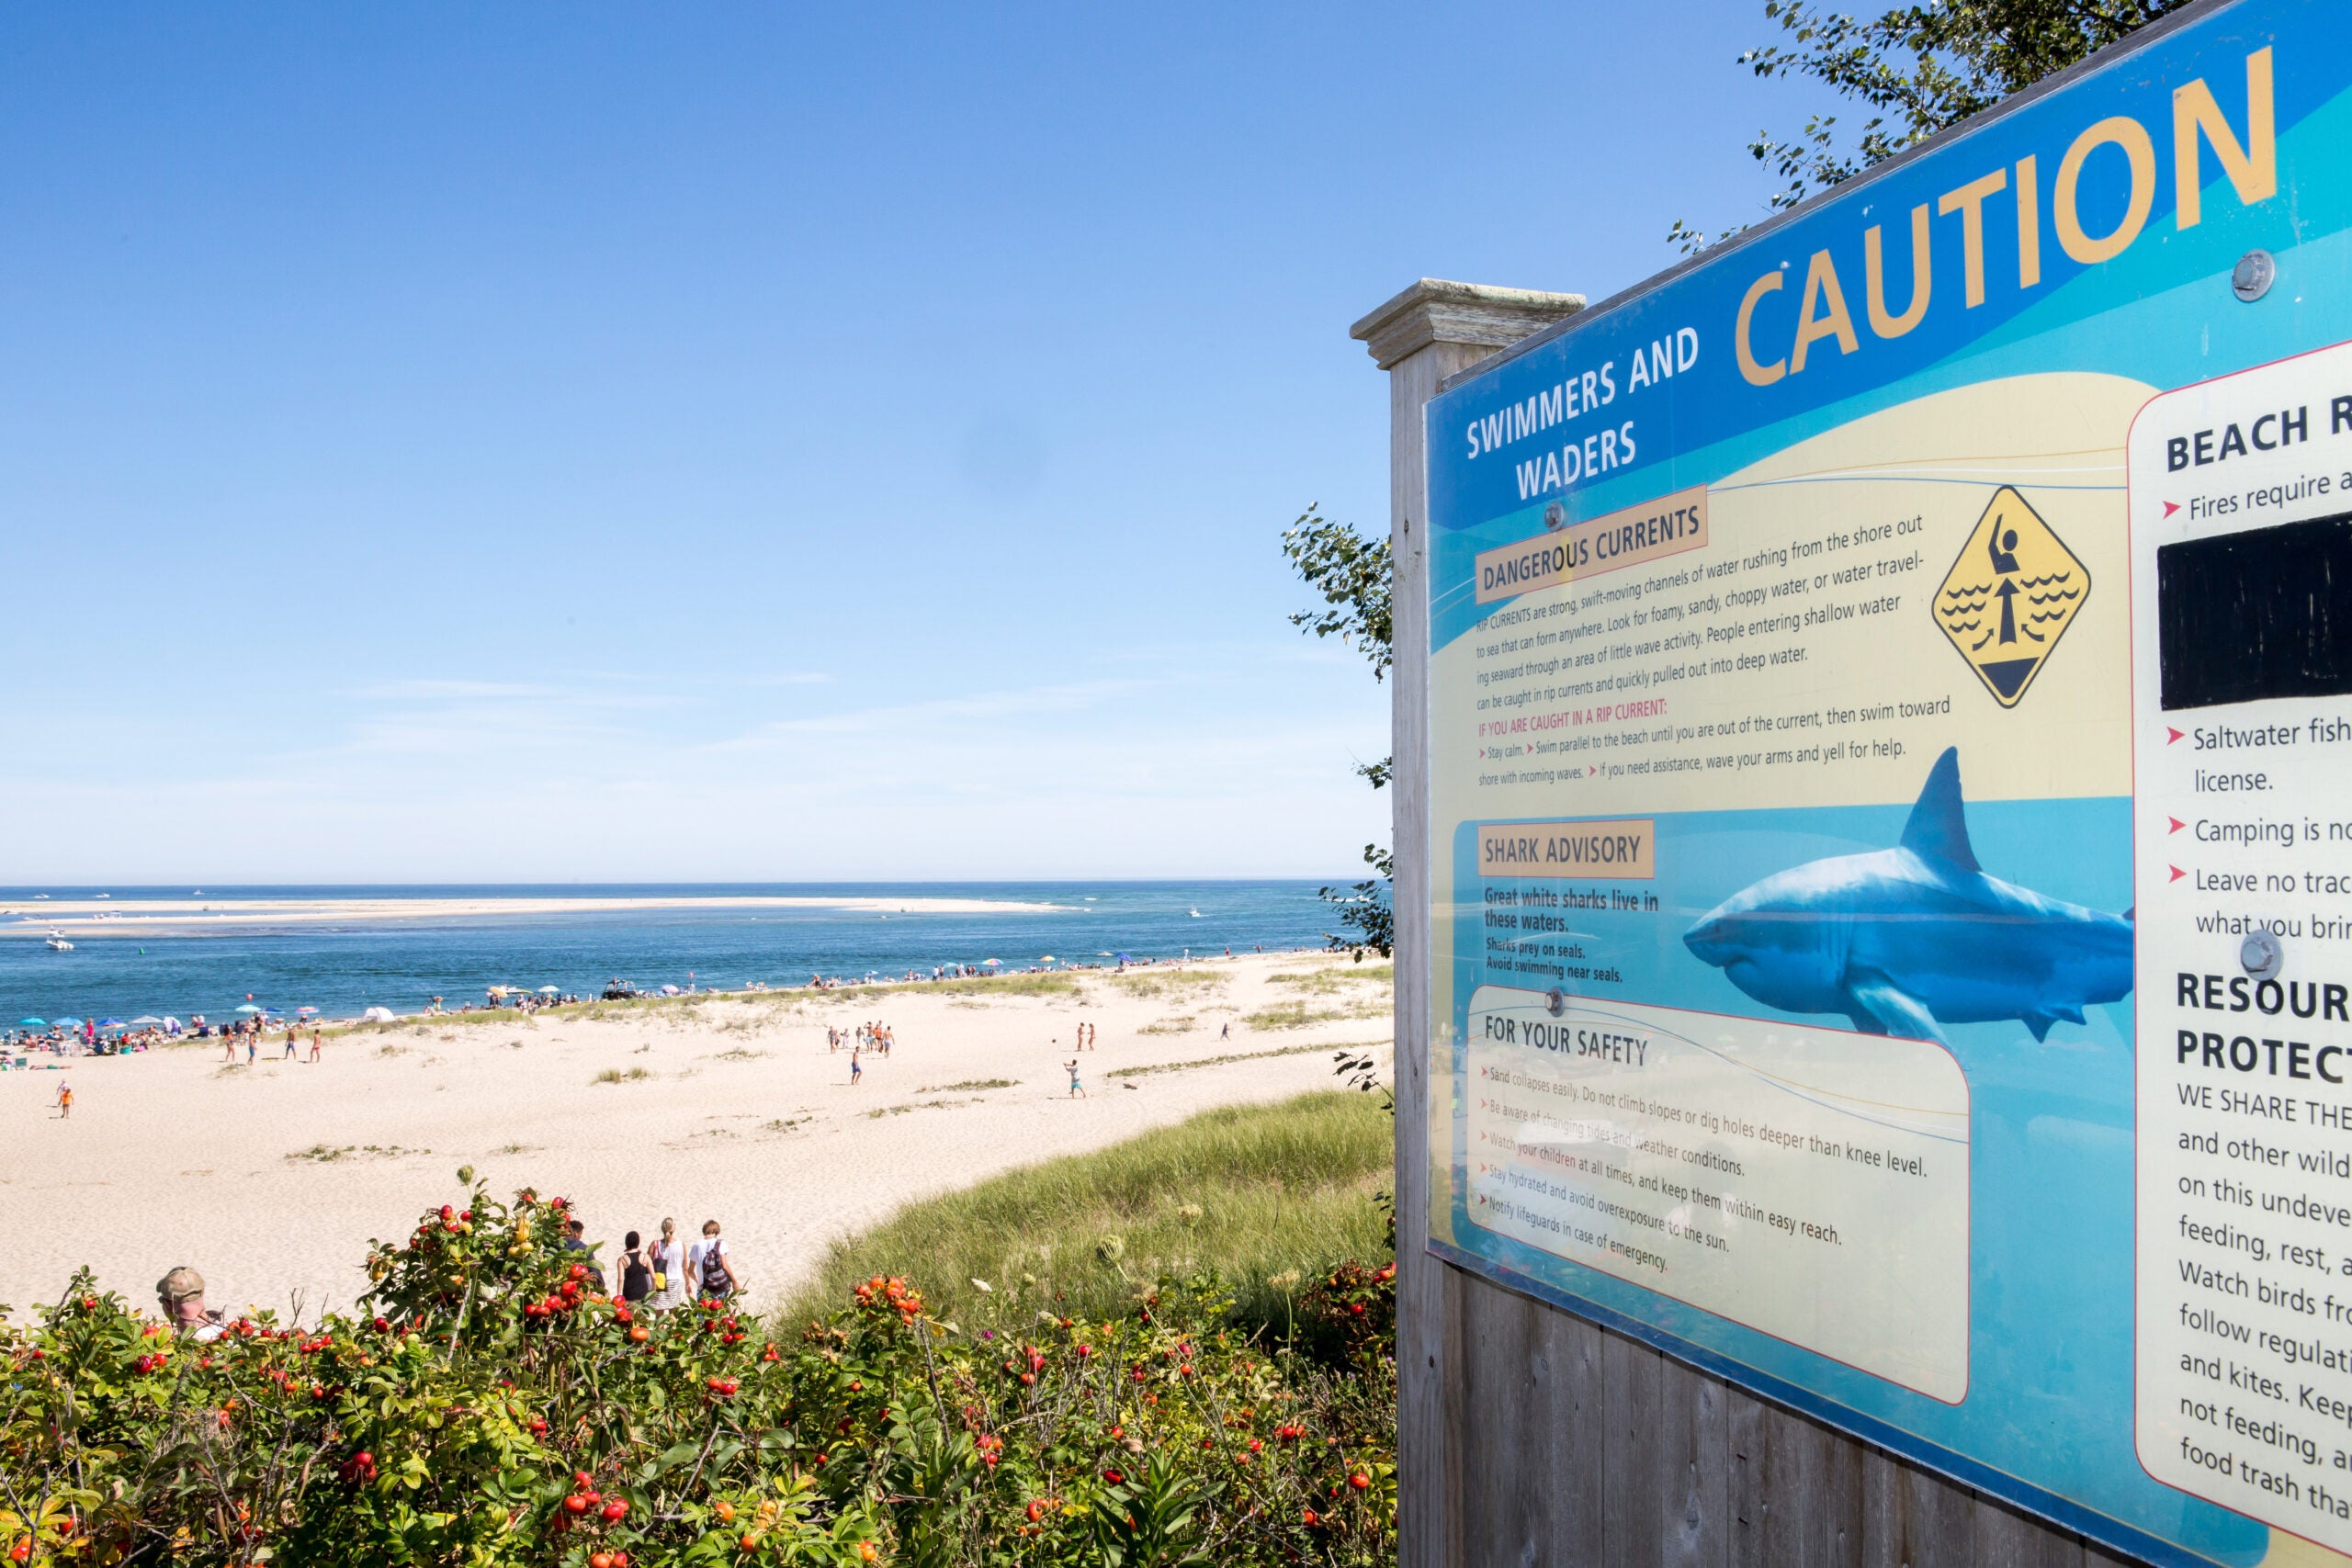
[(575, 1504), (1360, 1481)]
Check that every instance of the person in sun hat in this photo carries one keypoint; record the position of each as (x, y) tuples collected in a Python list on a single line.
[(181, 1294)]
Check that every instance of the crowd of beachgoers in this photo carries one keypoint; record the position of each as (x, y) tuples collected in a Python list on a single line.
[(253, 1022)]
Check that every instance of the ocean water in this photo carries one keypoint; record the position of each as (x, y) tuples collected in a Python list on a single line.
[(343, 967)]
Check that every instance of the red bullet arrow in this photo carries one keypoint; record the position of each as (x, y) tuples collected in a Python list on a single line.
[(2171, 507), (2176, 873), (2176, 823), (2171, 735)]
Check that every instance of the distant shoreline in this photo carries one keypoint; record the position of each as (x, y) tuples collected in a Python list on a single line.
[(162, 917)]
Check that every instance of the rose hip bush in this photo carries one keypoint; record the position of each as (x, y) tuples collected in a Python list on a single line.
[(485, 1405)]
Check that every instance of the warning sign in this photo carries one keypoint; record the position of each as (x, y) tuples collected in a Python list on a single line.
[(2010, 597)]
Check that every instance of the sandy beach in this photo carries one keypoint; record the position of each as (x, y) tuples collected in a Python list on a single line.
[(138, 916), (271, 1178)]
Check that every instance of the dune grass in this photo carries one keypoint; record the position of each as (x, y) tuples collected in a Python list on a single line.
[(1263, 1194)]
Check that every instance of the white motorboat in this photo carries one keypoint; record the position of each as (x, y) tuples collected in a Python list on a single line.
[(57, 943)]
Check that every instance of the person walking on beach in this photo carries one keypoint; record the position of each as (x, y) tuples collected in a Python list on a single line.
[(1226, 1032), (575, 1239), (706, 1260), (637, 1279), (669, 1261), (289, 1044), (855, 1070), (314, 1044), (64, 1101), (1077, 1090), (253, 1047)]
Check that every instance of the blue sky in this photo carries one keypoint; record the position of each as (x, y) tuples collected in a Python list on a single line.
[(603, 443)]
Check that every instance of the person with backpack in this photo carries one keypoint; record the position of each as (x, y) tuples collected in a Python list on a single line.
[(707, 1266)]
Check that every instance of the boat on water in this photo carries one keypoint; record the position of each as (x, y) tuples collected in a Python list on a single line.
[(57, 943), (1196, 913)]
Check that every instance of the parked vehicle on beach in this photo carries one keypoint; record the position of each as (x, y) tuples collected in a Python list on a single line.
[(621, 991)]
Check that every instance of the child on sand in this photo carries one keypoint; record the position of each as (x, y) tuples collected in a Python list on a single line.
[(64, 1101)]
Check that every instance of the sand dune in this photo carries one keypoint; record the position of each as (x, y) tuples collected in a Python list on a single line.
[(271, 1178)]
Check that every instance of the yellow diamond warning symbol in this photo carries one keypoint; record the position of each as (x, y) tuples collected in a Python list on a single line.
[(2010, 597)]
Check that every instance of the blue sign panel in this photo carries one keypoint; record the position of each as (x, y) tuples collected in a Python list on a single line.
[(1891, 842)]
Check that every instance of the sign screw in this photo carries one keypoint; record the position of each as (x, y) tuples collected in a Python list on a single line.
[(2260, 954), (2254, 275)]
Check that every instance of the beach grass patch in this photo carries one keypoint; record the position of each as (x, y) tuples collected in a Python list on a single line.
[(617, 1075), (1184, 1025), (737, 1054), (1330, 979), (1167, 982), (1147, 1069), (328, 1154), (1256, 1192), (970, 1084)]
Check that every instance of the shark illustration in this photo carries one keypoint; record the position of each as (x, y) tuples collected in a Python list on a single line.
[(1902, 939)]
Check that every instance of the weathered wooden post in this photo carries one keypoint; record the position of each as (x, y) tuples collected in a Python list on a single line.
[(1421, 336)]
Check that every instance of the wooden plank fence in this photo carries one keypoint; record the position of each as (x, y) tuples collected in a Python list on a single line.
[(1528, 1436)]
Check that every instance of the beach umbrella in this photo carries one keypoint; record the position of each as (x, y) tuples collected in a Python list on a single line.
[(32, 1024), (992, 962), (69, 1023), (1046, 959), (1125, 959), (248, 1006), (146, 1018), (305, 1012), (109, 1023), (549, 991)]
